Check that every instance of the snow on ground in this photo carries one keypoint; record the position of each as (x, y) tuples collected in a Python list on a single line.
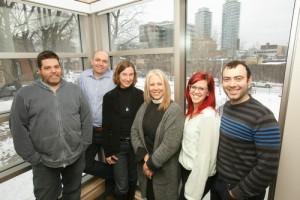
[(18, 188)]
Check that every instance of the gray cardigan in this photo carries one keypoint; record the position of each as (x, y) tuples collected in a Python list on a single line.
[(165, 152)]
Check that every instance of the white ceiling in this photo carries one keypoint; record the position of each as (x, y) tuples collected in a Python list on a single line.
[(87, 1), (76, 5)]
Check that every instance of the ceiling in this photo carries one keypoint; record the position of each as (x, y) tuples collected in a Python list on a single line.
[(84, 6), (87, 1)]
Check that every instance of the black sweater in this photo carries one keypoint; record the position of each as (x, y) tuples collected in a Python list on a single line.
[(119, 109)]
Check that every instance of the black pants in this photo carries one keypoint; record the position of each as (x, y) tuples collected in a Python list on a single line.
[(150, 191), (220, 191), (99, 168), (184, 177)]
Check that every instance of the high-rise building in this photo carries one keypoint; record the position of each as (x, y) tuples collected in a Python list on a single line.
[(161, 34), (203, 20), (157, 35), (230, 26)]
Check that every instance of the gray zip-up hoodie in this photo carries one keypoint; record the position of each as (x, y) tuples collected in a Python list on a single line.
[(50, 127)]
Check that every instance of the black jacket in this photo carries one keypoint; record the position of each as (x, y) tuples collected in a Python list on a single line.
[(111, 117)]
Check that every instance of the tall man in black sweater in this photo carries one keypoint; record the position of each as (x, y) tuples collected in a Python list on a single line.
[(249, 146)]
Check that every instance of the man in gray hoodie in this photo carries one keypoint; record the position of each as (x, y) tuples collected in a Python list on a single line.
[(51, 125)]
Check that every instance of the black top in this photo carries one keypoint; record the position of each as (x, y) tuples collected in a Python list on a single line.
[(126, 114), (151, 121), (119, 109)]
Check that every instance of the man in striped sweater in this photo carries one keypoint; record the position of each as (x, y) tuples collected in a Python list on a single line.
[(249, 146)]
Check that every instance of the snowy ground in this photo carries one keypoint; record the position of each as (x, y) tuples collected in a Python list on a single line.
[(20, 187)]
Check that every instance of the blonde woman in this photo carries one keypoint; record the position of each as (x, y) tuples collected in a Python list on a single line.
[(156, 136)]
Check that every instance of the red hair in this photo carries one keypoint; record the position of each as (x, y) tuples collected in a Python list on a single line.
[(209, 101)]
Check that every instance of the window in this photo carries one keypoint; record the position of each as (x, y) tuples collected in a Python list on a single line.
[(26, 28), (146, 35), (142, 26), (224, 30)]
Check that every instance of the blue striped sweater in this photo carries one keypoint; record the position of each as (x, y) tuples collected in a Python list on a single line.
[(249, 147)]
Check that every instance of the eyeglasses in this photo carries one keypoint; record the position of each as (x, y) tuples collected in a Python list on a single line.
[(193, 88)]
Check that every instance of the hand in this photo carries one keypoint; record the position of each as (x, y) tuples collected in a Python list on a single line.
[(148, 172), (146, 157), (111, 160), (230, 194)]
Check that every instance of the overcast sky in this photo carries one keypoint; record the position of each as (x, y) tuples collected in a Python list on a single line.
[(261, 21)]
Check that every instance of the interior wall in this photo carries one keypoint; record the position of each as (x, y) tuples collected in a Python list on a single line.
[(288, 180)]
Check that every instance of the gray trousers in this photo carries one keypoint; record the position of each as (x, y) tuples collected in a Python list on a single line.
[(50, 183)]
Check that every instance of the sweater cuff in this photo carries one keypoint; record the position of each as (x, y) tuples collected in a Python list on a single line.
[(237, 193), (108, 153), (140, 154), (150, 164), (35, 159)]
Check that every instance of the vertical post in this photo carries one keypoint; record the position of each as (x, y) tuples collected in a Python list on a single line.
[(220, 79), (179, 51)]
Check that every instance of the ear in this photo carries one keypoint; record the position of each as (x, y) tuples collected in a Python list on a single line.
[(249, 80)]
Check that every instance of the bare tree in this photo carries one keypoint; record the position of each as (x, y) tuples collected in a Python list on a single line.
[(123, 27), (202, 53), (55, 30), (8, 68), (25, 28)]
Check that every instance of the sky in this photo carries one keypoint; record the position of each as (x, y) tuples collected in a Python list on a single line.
[(260, 21)]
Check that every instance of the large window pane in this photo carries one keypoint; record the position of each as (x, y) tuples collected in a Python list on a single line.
[(224, 30), (14, 73), (144, 63), (141, 26), (25, 28)]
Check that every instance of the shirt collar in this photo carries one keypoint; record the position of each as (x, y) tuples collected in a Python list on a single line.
[(90, 74)]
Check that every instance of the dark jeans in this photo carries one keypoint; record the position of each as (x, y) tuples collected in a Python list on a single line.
[(150, 191), (125, 169), (220, 191), (99, 168), (184, 177), (49, 183)]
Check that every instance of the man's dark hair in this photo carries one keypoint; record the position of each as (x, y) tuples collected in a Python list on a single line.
[(46, 55), (234, 64)]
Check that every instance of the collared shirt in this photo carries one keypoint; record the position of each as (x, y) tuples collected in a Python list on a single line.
[(95, 89)]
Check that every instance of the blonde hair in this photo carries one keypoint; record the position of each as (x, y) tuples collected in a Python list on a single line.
[(167, 90)]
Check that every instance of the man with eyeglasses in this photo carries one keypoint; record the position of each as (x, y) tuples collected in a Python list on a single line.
[(95, 83), (249, 146)]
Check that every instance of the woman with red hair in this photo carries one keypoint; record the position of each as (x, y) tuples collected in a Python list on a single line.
[(200, 138)]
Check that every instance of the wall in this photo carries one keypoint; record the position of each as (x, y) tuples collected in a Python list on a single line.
[(288, 180)]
